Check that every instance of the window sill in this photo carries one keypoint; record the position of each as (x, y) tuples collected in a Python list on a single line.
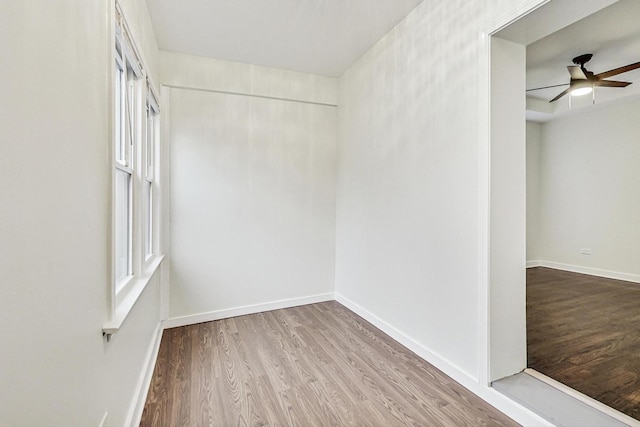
[(126, 305)]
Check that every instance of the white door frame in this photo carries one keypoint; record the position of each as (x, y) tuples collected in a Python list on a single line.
[(512, 337)]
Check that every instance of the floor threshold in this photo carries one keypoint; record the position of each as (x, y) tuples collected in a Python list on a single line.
[(559, 404)]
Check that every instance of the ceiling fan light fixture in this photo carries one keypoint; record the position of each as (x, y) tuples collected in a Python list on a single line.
[(580, 91), (584, 81)]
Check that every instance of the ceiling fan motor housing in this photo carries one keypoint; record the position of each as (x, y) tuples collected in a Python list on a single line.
[(582, 59)]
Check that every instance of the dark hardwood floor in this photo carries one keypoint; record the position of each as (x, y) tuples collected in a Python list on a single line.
[(584, 331), (315, 365)]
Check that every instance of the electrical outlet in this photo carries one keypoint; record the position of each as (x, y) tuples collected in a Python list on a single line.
[(585, 251)]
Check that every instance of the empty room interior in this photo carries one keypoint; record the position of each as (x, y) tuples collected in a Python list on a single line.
[(382, 213)]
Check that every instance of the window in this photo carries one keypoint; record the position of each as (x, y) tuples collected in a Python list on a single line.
[(135, 195), (149, 174), (127, 76)]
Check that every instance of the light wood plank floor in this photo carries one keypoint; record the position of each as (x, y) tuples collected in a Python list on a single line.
[(583, 331), (315, 365)]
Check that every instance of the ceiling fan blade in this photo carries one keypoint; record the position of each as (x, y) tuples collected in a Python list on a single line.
[(548, 87), (563, 93), (617, 71), (576, 72), (611, 83)]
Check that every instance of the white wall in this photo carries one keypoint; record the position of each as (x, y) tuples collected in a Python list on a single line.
[(196, 72), (55, 174), (590, 190), (534, 142), (252, 190), (507, 233), (408, 193)]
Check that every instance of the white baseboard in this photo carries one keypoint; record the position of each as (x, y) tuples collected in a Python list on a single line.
[(635, 278), (512, 409), (192, 319), (144, 381)]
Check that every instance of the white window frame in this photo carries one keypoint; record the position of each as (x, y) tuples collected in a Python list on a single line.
[(135, 158), (150, 215), (121, 160), (126, 145)]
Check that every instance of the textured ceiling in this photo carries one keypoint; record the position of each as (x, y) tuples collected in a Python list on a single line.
[(313, 36)]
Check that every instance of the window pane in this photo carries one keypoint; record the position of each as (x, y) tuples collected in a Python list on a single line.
[(150, 143), (123, 225), (130, 121), (119, 116), (148, 241)]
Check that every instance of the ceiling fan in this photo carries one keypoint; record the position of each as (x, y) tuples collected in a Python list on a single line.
[(583, 81)]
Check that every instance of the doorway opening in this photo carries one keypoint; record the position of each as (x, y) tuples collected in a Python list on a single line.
[(507, 160)]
